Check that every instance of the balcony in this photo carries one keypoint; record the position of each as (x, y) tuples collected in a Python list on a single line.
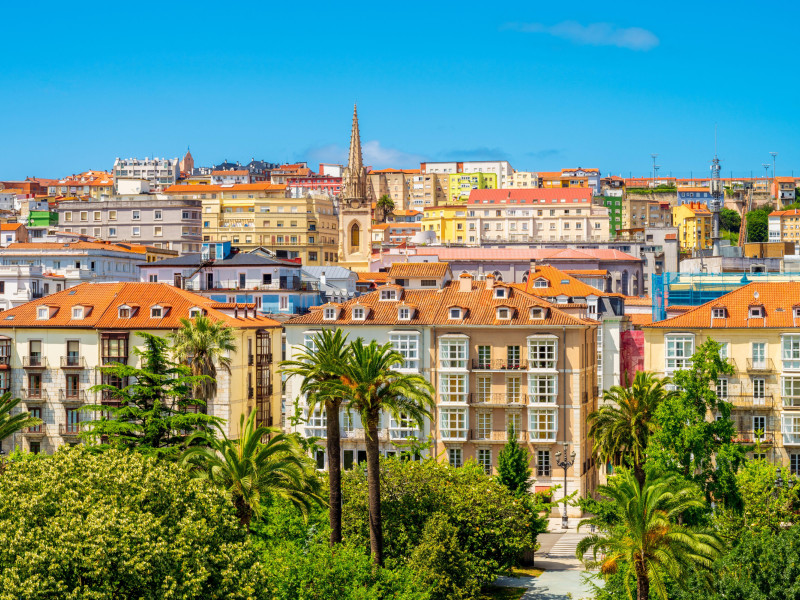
[(35, 432), (749, 401), (748, 436), (69, 429), (69, 397), (34, 362), (499, 365), (760, 366), (498, 399), (73, 362), (449, 434), (358, 435), (5, 361), (263, 359), (497, 435), (34, 396), (403, 433)]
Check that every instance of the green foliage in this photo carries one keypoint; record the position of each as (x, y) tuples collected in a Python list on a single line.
[(103, 526), (252, 471), (9, 424), (155, 413), (386, 205), (757, 224), (441, 564), (494, 526), (649, 539), (729, 220), (513, 465)]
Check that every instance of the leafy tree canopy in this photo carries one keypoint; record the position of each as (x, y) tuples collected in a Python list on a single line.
[(513, 465), (729, 219)]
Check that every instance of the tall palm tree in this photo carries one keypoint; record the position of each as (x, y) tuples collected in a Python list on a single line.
[(623, 424), (386, 205), (321, 367), (251, 470), (373, 385), (648, 538), (204, 344), (9, 424)]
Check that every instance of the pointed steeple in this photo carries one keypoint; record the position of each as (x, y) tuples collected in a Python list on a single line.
[(354, 160), (354, 177)]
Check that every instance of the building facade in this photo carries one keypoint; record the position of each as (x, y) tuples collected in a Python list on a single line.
[(355, 208), (643, 211), (448, 222), (693, 221), (160, 172), (784, 226)]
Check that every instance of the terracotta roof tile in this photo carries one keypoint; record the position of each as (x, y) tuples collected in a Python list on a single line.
[(378, 276), (236, 187), (10, 226), (637, 301), (640, 320), (434, 270), (134, 248), (531, 196), (559, 284)]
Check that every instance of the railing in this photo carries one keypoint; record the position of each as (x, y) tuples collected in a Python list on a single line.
[(498, 398), (34, 362), (749, 436), (499, 364), (251, 360), (750, 401), (5, 361), (69, 429), (760, 366), (361, 434), (72, 396), (264, 359), (399, 433), (37, 430), (496, 435), (73, 362), (450, 434), (36, 395)]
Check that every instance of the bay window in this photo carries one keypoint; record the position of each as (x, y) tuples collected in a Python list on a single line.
[(542, 389), (452, 387), (790, 391), (790, 351), (407, 344), (790, 428), (543, 425), (542, 353), (453, 423), (679, 350), (453, 353)]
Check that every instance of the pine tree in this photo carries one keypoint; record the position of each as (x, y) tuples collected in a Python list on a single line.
[(513, 465)]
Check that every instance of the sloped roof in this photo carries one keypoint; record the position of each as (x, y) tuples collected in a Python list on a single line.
[(539, 254), (434, 270), (238, 259), (560, 284)]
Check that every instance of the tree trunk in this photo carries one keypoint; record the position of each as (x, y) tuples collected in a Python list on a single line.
[(374, 487), (243, 511), (335, 471), (642, 582), (639, 474)]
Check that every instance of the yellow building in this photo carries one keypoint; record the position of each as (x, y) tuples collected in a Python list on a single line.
[(693, 221), (51, 351), (449, 222), (257, 215), (757, 325), (460, 185), (523, 179)]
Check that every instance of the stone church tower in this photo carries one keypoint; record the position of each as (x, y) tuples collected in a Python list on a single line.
[(187, 162), (355, 209)]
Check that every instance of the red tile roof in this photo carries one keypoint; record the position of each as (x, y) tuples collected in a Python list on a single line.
[(559, 284), (236, 187), (10, 226), (432, 270), (57, 246)]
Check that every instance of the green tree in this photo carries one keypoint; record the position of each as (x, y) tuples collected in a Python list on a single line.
[(373, 385), (252, 471), (386, 206), (153, 414), (757, 224), (204, 344), (11, 424), (729, 220), (108, 525), (648, 539), (513, 465), (624, 423), (321, 367)]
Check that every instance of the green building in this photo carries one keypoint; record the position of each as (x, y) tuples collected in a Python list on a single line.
[(42, 218), (461, 184), (614, 206)]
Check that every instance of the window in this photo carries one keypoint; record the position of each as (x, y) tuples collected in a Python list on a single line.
[(35, 385), (790, 428), (453, 387), (358, 313), (537, 313), (388, 294), (84, 216), (329, 314), (68, 217), (112, 232), (790, 391), (514, 421), (42, 313), (157, 215), (453, 423), (484, 425), (453, 354), (317, 425), (759, 355), (514, 389), (112, 215), (542, 389), (455, 313), (136, 231), (485, 460), (794, 464), (136, 215), (77, 312), (513, 357), (543, 463), (195, 312), (157, 231), (718, 313), (756, 312), (503, 313), (404, 313), (500, 292), (722, 388), (407, 344), (73, 385), (541, 353), (156, 312), (73, 424), (484, 383), (454, 455), (542, 425), (428, 283), (541, 283), (759, 427), (790, 351), (759, 390), (679, 351)]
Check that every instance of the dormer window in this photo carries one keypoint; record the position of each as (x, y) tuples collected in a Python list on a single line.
[(718, 313), (541, 283), (195, 312), (388, 294), (42, 313), (500, 292), (455, 313), (156, 312), (503, 313), (329, 314), (403, 313), (796, 312), (124, 312), (77, 312), (359, 314), (537, 312), (756, 312)]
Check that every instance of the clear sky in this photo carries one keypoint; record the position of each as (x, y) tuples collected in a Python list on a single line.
[(543, 85)]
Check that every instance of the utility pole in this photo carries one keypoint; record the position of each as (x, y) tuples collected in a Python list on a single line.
[(655, 168), (716, 202), (773, 155), (766, 176)]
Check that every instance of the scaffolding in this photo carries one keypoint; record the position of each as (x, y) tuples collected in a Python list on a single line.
[(694, 289)]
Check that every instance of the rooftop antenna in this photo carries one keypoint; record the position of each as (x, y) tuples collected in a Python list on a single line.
[(716, 199)]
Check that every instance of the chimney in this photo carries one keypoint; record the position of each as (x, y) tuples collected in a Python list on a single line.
[(489, 281), (465, 282), (322, 279)]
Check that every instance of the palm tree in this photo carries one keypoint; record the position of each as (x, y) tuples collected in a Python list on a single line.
[(373, 385), (648, 539), (623, 424), (386, 204), (250, 470), (321, 367), (9, 425), (204, 344)]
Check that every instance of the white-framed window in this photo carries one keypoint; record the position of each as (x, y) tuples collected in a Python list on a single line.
[(758, 353), (485, 460), (42, 313), (790, 428), (359, 314), (542, 389), (759, 390), (759, 427), (402, 427), (453, 353), (718, 313), (329, 313), (309, 341), (543, 463), (455, 313), (756, 312), (500, 292), (790, 391), (679, 350), (77, 312), (112, 232), (136, 231), (722, 388), (503, 313), (537, 312), (455, 457), (404, 313), (157, 215), (195, 312), (453, 423), (452, 387), (124, 312), (541, 283), (347, 421), (542, 424), (514, 388), (484, 420), (283, 302), (136, 215), (796, 312), (156, 312), (407, 344), (790, 351), (794, 464), (484, 388), (157, 231), (542, 353), (388, 294), (514, 421), (112, 215), (317, 425)]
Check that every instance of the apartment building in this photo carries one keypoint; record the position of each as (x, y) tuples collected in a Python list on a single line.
[(535, 215), (523, 179), (448, 222), (502, 169), (461, 185), (784, 226), (571, 178), (692, 194), (160, 172), (51, 352), (642, 211), (758, 326), (784, 189), (11, 233), (230, 177), (693, 221), (615, 206), (498, 358), (173, 224), (260, 215), (92, 184)]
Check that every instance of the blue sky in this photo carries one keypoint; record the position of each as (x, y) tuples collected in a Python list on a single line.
[(544, 85)]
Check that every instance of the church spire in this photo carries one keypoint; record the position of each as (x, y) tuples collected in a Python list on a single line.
[(354, 160), (354, 177)]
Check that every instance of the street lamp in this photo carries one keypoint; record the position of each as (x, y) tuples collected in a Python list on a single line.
[(779, 483), (565, 464), (773, 155)]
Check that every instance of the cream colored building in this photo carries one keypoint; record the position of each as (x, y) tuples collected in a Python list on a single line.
[(523, 180)]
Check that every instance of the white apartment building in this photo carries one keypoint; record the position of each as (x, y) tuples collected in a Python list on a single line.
[(501, 168), (535, 215), (160, 172)]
